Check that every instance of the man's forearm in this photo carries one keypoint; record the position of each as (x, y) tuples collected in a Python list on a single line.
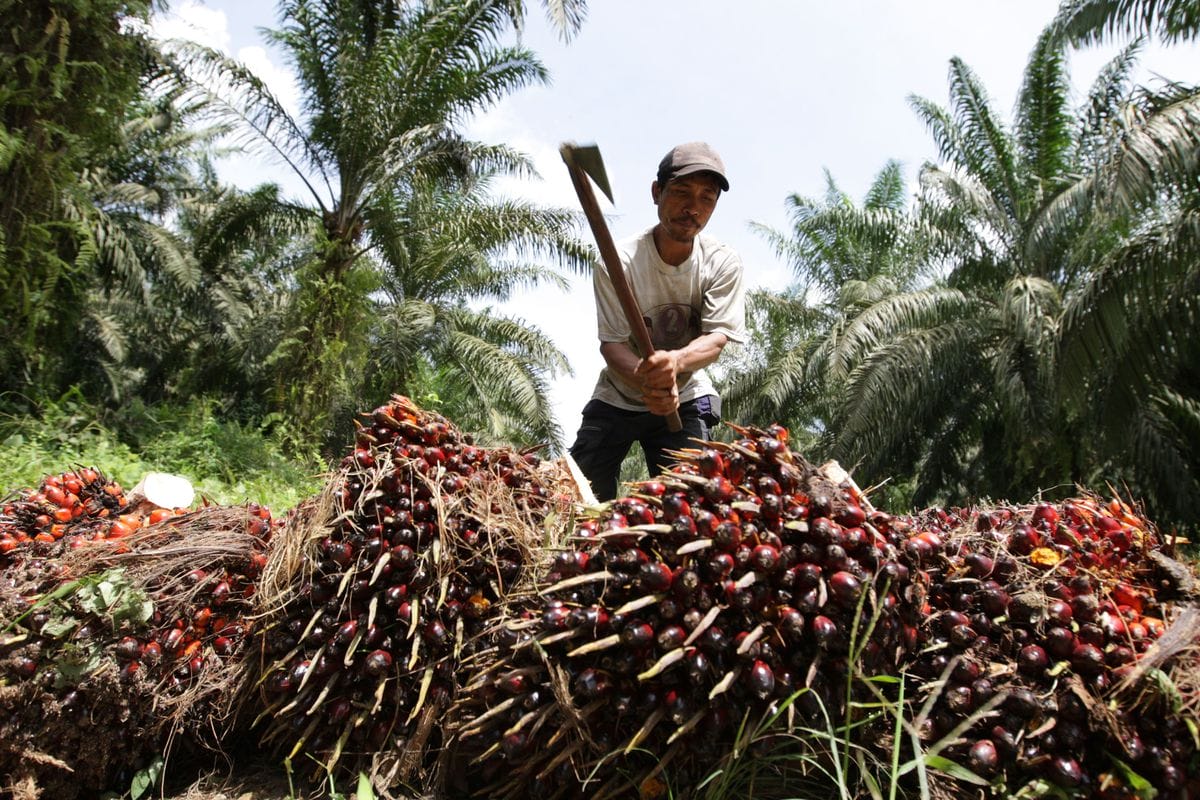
[(621, 359), (700, 352)]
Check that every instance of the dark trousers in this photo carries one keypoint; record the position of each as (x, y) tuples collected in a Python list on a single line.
[(607, 433)]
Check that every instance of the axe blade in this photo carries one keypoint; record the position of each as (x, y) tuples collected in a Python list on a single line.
[(587, 158)]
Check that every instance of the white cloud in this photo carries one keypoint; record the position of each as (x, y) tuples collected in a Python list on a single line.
[(279, 80), (194, 21)]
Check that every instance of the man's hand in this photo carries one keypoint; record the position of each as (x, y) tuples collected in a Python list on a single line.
[(659, 375)]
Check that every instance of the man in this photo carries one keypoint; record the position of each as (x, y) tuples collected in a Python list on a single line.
[(689, 289)]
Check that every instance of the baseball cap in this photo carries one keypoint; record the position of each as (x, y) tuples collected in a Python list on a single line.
[(686, 159)]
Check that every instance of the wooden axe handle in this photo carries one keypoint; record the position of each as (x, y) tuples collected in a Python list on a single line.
[(612, 261)]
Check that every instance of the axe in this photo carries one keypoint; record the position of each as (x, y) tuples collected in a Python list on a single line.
[(584, 161)]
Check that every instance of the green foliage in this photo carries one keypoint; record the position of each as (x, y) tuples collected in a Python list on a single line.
[(1091, 21), (64, 66), (401, 244), (1028, 325), (227, 461)]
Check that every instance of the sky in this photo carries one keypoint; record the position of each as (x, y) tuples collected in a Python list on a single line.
[(783, 89)]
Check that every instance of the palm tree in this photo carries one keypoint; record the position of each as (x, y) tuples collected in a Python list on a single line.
[(446, 251), (64, 68), (1128, 345), (1055, 347), (968, 362), (845, 258), (385, 86)]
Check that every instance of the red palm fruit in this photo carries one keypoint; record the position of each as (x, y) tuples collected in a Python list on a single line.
[(993, 599), (790, 622), (1032, 659), (514, 744), (1024, 539), (697, 665), (152, 653), (674, 505), (637, 634), (172, 640), (727, 536), (1087, 659), (345, 633), (1113, 625), (435, 633), (1065, 771), (592, 683), (23, 666), (983, 757), (1091, 633), (958, 699), (845, 587), (761, 679), (1059, 612), (1085, 607), (825, 630), (807, 576), (711, 463), (1119, 656), (852, 516), (963, 636), (1059, 642), (951, 619), (653, 488), (980, 565), (1155, 627), (377, 663), (765, 557), (670, 637), (1045, 517), (128, 649), (654, 576)]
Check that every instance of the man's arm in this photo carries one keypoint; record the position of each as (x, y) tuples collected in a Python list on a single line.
[(658, 374)]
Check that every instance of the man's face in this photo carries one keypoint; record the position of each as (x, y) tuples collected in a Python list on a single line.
[(685, 204)]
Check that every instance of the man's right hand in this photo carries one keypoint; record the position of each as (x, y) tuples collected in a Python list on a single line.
[(659, 376)]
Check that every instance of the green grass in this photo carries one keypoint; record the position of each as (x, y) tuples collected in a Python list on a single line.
[(228, 462)]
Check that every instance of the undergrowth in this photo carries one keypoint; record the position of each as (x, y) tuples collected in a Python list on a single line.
[(229, 462)]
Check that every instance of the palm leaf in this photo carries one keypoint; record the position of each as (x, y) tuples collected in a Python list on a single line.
[(1096, 21), (1044, 125)]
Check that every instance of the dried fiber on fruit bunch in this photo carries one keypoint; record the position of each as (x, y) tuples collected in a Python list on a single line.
[(113, 647), (698, 602), (386, 581), (1057, 628)]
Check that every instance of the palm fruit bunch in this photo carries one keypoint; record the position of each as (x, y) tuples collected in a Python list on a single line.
[(1045, 649), (703, 599), (64, 510), (113, 647), (387, 582)]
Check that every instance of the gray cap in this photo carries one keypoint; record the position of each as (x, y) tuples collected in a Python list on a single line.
[(689, 158)]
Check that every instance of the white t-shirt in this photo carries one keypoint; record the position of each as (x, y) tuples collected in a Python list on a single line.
[(702, 295)]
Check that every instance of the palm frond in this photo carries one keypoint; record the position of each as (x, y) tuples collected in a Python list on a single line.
[(895, 317), (1044, 124), (1095, 21), (887, 188), (1024, 363), (989, 152), (1135, 314), (913, 377), (1108, 93), (238, 97), (1155, 153)]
